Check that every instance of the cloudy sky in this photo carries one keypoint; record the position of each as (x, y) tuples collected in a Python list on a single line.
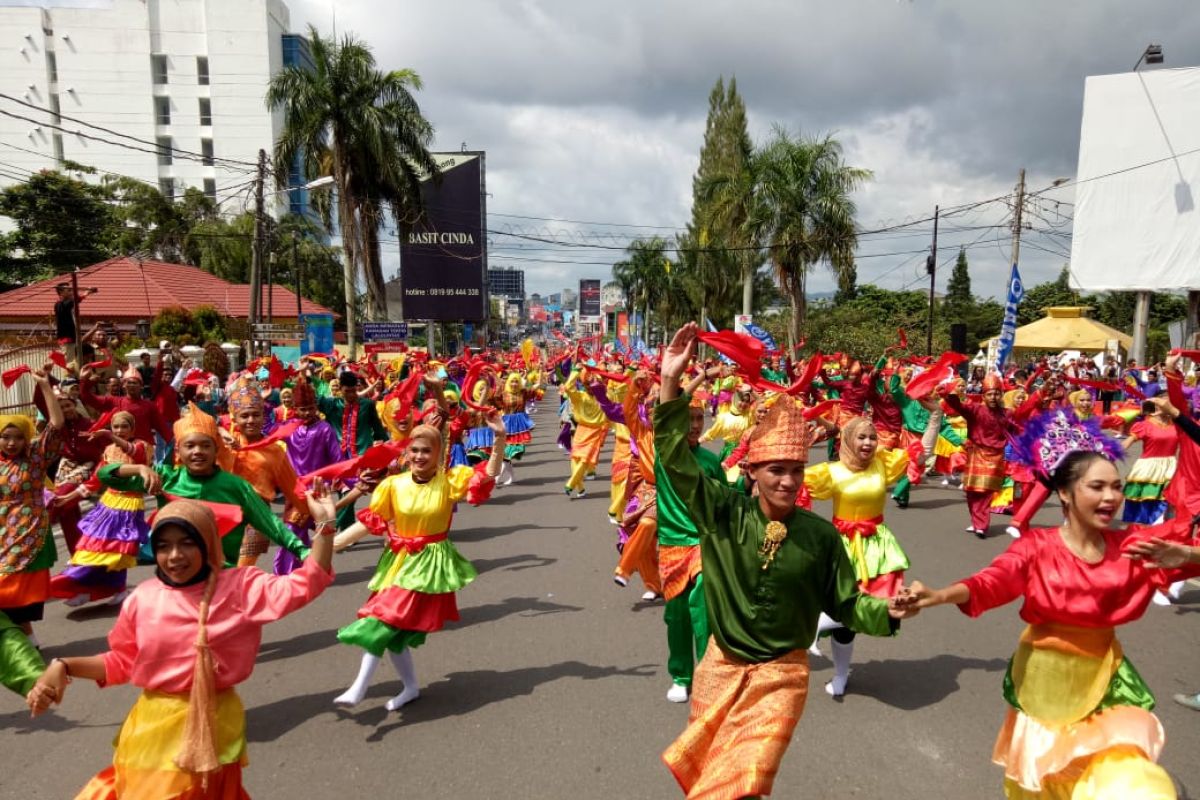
[(594, 112)]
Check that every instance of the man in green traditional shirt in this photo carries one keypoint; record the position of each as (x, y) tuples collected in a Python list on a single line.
[(770, 569), (199, 447)]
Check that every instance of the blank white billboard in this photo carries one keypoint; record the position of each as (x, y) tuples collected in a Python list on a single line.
[(1137, 228)]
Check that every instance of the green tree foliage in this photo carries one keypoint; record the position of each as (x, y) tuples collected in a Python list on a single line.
[(807, 214), (645, 277), (363, 127), (172, 323), (146, 222), (958, 289), (60, 222), (722, 245)]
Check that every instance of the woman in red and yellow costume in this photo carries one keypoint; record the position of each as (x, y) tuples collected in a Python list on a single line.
[(1079, 723)]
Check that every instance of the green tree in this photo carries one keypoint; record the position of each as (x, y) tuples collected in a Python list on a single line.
[(644, 276), (805, 209), (720, 248), (959, 299), (148, 223), (60, 222), (363, 127), (1057, 292)]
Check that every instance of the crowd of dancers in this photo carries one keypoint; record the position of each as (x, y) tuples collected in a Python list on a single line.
[(751, 578)]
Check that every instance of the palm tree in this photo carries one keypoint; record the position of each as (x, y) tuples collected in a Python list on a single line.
[(643, 277), (804, 208), (362, 126)]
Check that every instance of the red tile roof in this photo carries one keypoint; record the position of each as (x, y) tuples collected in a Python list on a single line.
[(133, 290)]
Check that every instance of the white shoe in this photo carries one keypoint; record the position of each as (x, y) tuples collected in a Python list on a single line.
[(650, 595), (581, 493), (591, 477), (118, 598), (814, 649), (78, 600), (971, 529), (946, 481), (1013, 531), (613, 520), (677, 694), (837, 688), (1161, 599), (351, 697), (1175, 590), (621, 580), (404, 698)]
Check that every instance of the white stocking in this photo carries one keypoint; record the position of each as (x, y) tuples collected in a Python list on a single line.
[(358, 690), (403, 662), (842, 654), (824, 623)]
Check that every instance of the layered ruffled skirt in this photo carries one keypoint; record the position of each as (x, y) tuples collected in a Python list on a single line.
[(1079, 724), (413, 594), (112, 534), (1144, 488), (519, 433), (879, 561), (143, 765)]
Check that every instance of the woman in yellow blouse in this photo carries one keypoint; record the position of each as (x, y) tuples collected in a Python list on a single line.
[(413, 589), (858, 485), (732, 421)]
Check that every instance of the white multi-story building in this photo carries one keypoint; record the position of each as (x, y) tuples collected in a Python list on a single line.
[(170, 92)]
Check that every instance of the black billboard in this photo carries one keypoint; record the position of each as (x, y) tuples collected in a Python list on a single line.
[(589, 301), (443, 256)]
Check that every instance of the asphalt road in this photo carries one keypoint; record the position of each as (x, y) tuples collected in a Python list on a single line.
[(553, 684)]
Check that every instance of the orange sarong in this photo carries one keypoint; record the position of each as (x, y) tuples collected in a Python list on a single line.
[(741, 723)]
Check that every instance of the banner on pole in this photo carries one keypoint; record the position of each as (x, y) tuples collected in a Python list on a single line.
[(1008, 329)]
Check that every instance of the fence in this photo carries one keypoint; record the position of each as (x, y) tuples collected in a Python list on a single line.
[(19, 398)]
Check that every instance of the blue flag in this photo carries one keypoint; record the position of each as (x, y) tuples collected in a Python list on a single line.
[(760, 334), (1008, 329)]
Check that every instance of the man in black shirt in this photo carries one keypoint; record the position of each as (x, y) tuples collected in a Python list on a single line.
[(64, 312)]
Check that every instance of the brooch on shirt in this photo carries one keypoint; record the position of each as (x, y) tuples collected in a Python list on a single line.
[(775, 534)]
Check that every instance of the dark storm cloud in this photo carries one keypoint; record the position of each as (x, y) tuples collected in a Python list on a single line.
[(595, 110)]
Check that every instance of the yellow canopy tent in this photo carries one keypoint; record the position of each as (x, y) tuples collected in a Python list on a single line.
[(1067, 328)]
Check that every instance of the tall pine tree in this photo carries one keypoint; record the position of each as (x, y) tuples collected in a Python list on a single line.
[(717, 250), (958, 291)]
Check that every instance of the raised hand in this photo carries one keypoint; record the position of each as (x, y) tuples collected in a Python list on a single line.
[(495, 423), (150, 479), (680, 351), (1159, 553), (321, 502)]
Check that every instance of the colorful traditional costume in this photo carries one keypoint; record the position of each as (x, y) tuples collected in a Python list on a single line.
[(27, 548), (219, 486), (164, 638), (112, 533), (765, 585), (591, 430), (1146, 484), (413, 589), (1079, 723)]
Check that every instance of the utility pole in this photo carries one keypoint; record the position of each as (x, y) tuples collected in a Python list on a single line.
[(271, 287), (1018, 217), (931, 268), (296, 270), (257, 248)]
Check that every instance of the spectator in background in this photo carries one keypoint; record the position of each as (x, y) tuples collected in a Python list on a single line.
[(146, 370), (64, 312)]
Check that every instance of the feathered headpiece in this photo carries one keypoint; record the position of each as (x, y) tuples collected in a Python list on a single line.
[(1053, 435)]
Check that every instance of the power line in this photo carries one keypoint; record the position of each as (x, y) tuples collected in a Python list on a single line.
[(112, 132)]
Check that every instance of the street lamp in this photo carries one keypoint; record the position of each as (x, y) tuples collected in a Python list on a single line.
[(1153, 54), (142, 329)]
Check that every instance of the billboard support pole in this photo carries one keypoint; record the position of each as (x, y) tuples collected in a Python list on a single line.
[(1141, 321)]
